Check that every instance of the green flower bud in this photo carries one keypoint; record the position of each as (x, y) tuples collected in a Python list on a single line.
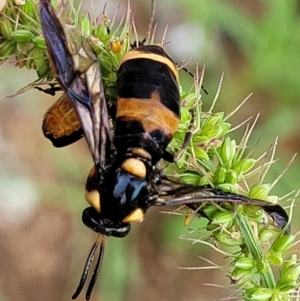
[(227, 151), (29, 63), (290, 262), (283, 242), (212, 131), (7, 49), (231, 177), (256, 214), (228, 240), (210, 210), (219, 175), (259, 294), (275, 258), (262, 265), (38, 57), (292, 273), (198, 140), (273, 199), (240, 276), (225, 128), (205, 180), (6, 28), (85, 24), (222, 217), (244, 263), (40, 43), (267, 234), (259, 192), (201, 154), (286, 285), (44, 70), (22, 36), (243, 165), (213, 119), (191, 178), (227, 187), (29, 9), (100, 32)]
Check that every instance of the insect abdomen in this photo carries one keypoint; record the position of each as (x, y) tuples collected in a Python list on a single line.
[(148, 106)]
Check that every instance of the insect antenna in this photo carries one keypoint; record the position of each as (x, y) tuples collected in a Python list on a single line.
[(87, 267), (96, 270), (193, 76)]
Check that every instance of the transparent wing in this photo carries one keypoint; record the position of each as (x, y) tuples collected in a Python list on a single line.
[(173, 193), (78, 71), (60, 123)]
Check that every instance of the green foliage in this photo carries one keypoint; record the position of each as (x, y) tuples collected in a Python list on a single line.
[(212, 157)]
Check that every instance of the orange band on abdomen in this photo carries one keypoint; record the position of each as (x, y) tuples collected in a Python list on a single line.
[(151, 113)]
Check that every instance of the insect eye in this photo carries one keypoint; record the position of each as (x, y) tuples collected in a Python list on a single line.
[(135, 216), (135, 167), (93, 198)]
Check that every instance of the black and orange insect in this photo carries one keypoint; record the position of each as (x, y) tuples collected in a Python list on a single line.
[(124, 181)]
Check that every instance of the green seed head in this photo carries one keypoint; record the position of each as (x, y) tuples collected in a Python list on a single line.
[(39, 42), (291, 273), (6, 28), (259, 294), (285, 286), (275, 258), (240, 276), (231, 177), (243, 165), (213, 119), (228, 239), (227, 187), (266, 234), (29, 8), (222, 217), (219, 176), (283, 242), (22, 36), (7, 49), (227, 151), (244, 263), (259, 192)]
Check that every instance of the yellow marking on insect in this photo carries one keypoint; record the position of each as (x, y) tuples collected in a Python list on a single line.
[(140, 152), (152, 114), (138, 54), (135, 216), (93, 198), (135, 167)]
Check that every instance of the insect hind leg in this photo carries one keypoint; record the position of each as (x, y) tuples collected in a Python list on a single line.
[(52, 90)]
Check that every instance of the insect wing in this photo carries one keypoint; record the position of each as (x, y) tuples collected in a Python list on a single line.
[(60, 123), (77, 69), (174, 193)]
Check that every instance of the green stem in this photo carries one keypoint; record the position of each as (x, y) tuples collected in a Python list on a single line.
[(255, 250)]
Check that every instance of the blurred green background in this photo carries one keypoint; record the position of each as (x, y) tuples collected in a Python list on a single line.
[(43, 244)]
